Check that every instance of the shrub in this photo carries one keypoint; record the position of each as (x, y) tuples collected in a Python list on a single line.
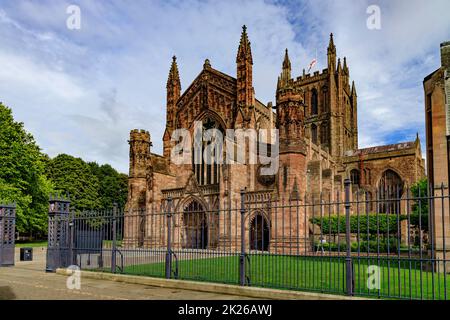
[(369, 223), (373, 246)]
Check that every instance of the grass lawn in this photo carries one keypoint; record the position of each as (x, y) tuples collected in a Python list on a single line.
[(34, 244), (109, 243), (399, 278)]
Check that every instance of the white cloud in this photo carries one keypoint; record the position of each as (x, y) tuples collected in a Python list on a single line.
[(20, 72)]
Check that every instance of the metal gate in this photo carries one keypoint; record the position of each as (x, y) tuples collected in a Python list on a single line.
[(7, 234), (59, 234), (87, 239)]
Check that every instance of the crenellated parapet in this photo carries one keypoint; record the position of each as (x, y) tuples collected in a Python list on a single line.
[(307, 78), (140, 144)]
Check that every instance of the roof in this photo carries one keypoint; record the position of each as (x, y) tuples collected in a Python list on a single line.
[(428, 77), (386, 148)]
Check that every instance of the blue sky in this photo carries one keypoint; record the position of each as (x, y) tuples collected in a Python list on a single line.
[(82, 91)]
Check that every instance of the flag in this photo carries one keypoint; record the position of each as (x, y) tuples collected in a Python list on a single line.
[(312, 64)]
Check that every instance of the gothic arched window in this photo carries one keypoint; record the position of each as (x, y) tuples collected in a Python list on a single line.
[(206, 172), (390, 189), (314, 102), (324, 133), (369, 202), (325, 99), (354, 177), (314, 133)]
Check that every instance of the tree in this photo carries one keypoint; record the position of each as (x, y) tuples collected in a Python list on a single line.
[(22, 175), (419, 215), (113, 185), (73, 176)]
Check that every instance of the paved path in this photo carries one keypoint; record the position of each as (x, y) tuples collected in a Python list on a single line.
[(28, 280)]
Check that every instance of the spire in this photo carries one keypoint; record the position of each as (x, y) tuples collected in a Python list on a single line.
[(345, 65), (331, 46), (173, 93), (174, 76), (331, 53), (339, 68), (244, 62), (286, 62), (286, 72), (353, 88), (244, 51)]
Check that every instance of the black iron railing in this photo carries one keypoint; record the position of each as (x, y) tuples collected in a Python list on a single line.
[(393, 243)]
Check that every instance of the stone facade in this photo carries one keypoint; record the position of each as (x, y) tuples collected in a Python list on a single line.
[(437, 115), (316, 116)]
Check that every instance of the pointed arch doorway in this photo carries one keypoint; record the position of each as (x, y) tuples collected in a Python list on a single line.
[(195, 225), (259, 233)]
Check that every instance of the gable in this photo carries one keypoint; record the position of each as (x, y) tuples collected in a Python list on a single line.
[(211, 90)]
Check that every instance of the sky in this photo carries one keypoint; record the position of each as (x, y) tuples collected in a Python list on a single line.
[(81, 91)]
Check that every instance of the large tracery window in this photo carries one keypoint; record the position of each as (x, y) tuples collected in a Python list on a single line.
[(206, 172)]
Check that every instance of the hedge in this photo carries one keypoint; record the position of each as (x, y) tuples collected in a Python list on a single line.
[(374, 222), (373, 246)]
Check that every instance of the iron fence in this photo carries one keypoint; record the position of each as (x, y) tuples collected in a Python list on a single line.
[(390, 244)]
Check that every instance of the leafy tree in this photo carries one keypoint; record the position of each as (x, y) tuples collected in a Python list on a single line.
[(22, 175), (113, 185), (73, 176), (419, 214)]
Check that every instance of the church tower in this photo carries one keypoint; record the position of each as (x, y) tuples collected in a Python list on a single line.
[(290, 122), (140, 168), (291, 182)]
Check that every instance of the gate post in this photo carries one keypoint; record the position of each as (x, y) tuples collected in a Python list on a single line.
[(348, 258), (72, 260), (242, 255), (7, 234), (169, 239), (114, 241), (58, 234)]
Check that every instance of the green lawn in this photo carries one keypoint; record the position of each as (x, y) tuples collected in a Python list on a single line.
[(398, 278), (109, 243), (34, 244)]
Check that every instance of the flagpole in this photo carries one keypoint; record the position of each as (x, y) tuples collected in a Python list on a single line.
[(316, 57), (313, 62)]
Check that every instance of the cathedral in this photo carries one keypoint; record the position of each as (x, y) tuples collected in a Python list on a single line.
[(317, 120)]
